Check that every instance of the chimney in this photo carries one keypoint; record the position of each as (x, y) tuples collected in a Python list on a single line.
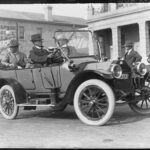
[(90, 11), (48, 13)]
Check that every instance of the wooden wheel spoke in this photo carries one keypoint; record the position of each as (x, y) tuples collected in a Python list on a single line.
[(142, 103), (90, 91), (6, 109), (93, 112), (101, 104), (101, 99), (88, 111), (85, 107), (11, 108), (88, 98), (100, 109), (84, 102), (99, 93), (4, 106), (146, 103), (98, 113)]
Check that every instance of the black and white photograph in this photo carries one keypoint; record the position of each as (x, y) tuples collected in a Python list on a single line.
[(75, 75)]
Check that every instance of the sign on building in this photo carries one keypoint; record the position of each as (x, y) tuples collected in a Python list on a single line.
[(6, 34)]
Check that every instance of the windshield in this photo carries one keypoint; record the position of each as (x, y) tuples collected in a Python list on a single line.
[(78, 43)]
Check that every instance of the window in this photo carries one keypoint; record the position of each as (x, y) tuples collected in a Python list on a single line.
[(21, 32), (105, 7), (39, 30), (120, 5)]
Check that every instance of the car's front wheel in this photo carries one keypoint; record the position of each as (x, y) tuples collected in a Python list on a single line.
[(142, 106), (94, 102), (8, 107)]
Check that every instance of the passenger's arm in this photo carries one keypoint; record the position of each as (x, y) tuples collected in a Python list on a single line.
[(5, 61)]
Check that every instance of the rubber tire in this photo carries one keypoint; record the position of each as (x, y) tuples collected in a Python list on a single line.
[(111, 101), (16, 108), (138, 110)]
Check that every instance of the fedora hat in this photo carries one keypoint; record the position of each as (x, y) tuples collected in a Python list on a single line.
[(36, 37), (13, 43), (128, 44)]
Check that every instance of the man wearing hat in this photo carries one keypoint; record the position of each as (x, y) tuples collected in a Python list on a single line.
[(38, 55), (14, 58), (131, 56), (69, 50)]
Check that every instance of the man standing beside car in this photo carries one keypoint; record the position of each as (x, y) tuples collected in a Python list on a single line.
[(131, 56), (14, 58)]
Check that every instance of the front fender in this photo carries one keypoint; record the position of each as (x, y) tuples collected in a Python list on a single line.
[(20, 92), (104, 73), (83, 76), (99, 68)]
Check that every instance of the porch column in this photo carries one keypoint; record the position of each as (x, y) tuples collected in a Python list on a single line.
[(116, 43), (143, 29)]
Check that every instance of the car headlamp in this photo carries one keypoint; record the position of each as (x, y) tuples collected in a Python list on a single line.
[(140, 68), (116, 70)]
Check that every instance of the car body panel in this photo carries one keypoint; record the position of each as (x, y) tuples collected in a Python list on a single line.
[(25, 77)]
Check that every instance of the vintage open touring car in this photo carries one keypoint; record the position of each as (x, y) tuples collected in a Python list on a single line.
[(83, 79)]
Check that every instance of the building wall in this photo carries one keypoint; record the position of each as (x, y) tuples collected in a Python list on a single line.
[(118, 19), (47, 34), (29, 29), (131, 33)]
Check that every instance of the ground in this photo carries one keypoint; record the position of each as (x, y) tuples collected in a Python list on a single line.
[(42, 129)]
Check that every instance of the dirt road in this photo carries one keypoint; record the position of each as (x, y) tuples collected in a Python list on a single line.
[(41, 129)]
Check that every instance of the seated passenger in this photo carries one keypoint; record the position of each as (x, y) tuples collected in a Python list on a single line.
[(69, 50), (38, 55), (14, 58)]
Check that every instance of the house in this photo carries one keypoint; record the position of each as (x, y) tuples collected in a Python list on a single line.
[(21, 25), (116, 23)]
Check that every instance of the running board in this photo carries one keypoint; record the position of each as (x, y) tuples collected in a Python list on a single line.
[(27, 104), (37, 102)]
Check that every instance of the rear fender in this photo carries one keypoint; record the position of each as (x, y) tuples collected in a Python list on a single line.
[(20, 92)]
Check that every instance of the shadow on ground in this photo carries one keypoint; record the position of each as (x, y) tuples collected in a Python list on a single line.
[(122, 115), (68, 113)]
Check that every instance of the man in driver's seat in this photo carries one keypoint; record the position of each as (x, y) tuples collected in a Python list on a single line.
[(38, 54)]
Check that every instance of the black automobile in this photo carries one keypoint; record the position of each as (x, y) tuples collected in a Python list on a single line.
[(82, 78)]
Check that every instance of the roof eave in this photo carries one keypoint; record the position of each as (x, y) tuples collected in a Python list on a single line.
[(44, 22)]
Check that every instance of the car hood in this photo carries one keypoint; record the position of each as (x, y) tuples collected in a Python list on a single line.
[(98, 66)]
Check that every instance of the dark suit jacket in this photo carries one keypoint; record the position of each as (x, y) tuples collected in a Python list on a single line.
[(133, 57), (38, 55)]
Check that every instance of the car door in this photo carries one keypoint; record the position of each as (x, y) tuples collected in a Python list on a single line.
[(25, 77), (51, 76)]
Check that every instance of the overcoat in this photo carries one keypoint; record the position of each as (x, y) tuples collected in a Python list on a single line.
[(38, 55), (132, 57)]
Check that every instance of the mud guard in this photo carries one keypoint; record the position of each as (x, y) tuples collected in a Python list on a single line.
[(85, 74), (20, 92)]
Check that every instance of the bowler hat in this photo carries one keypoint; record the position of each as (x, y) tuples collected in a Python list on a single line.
[(13, 43), (36, 37), (128, 44)]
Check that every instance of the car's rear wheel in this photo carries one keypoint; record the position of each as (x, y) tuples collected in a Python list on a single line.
[(8, 106), (94, 102)]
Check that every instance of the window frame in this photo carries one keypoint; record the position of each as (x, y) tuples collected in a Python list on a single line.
[(21, 32)]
